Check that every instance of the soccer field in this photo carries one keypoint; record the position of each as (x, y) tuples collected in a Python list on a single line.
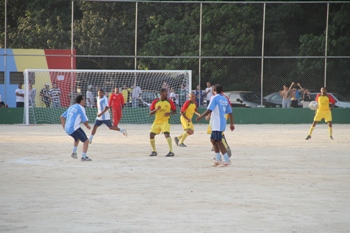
[(278, 181)]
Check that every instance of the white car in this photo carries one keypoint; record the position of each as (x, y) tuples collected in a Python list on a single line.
[(342, 102)]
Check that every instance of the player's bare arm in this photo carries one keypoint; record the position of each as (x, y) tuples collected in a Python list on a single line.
[(86, 123), (173, 112), (197, 113), (232, 127), (152, 112), (184, 115), (206, 113), (105, 110), (63, 121)]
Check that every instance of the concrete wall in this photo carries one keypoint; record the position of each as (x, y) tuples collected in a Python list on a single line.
[(141, 116)]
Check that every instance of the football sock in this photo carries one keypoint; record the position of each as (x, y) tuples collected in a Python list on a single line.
[(223, 140), (84, 155), (218, 156), (330, 129), (183, 137), (311, 129), (227, 159), (75, 149), (153, 144), (170, 144), (121, 130), (179, 137), (91, 137)]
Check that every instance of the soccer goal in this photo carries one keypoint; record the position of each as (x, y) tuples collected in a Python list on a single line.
[(49, 92)]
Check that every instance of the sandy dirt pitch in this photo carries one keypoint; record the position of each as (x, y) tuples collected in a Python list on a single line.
[(278, 182)]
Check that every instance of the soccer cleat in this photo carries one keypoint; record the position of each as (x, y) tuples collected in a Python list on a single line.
[(229, 152), (90, 141), (125, 132), (85, 159), (216, 163), (331, 137), (153, 153), (225, 164), (176, 141), (182, 145), (308, 137), (74, 155), (170, 154)]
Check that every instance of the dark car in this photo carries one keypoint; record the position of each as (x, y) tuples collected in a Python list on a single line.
[(248, 99), (276, 98)]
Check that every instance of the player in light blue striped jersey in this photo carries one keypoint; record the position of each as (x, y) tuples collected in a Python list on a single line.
[(103, 115), (71, 120)]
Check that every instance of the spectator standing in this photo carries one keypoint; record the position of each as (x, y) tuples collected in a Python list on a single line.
[(45, 95), (73, 95), (19, 96), (55, 93), (174, 97), (135, 95), (90, 97), (32, 95), (208, 92), (306, 98), (126, 93), (199, 96), (286, 96)]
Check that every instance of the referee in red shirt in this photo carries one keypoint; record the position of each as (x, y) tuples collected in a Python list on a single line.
[(116, 102)]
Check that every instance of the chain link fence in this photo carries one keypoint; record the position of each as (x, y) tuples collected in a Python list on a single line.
[(221, 42)]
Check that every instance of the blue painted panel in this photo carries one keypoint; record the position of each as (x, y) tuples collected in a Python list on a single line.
[(9, 90)]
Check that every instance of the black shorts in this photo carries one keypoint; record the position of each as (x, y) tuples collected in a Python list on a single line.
[(19, 104), (216, 135), (79, 134), (100, 122)]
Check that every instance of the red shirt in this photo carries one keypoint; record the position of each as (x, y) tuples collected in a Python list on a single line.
[(116, 101)]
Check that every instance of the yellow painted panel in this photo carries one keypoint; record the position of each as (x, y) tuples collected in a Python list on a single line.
[(38, 61)]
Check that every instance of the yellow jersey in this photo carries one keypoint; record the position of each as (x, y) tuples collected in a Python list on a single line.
[(189, 108), (166, 105), (323, 102), (126, 93)]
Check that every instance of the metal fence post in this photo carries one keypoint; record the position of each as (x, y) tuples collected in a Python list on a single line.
[(262, 57), (326, 48)]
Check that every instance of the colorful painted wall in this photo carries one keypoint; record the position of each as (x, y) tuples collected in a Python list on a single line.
[(17, 60)]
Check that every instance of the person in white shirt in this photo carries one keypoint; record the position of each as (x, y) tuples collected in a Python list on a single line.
[(208, 92), (174, 97), (103, 116), (55, 93), (135, 95), (90, 99), (19, 96), (32, 94)]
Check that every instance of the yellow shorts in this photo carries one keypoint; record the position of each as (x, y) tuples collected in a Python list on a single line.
[(185, 124), (164, 128), (327, 115)]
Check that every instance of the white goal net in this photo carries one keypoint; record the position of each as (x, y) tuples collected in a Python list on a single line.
[(49, 92)]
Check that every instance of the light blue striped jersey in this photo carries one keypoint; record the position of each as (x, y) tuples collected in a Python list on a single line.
[(74, 115), (102, 103), (219, 106)]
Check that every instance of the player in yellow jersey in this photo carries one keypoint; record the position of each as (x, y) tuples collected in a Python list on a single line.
[(162, 108), (188, 109), (325, 105)]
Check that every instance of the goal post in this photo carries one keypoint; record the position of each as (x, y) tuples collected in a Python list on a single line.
[(49, 92)]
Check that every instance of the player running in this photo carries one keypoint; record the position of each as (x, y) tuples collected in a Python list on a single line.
[(103, 116), (116, 102), (218, 107), (188, 109), (70, 121), (324, 111), (163, 108), (224, 141)]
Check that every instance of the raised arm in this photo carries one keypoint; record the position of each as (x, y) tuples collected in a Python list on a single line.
[(291, 85)]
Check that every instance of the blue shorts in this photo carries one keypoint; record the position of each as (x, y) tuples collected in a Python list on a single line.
[(100, 122), (79, 134), (216, 135)]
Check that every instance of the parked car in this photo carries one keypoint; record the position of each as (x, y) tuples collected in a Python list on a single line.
[(248, 99), (277, 99), (342, 102)]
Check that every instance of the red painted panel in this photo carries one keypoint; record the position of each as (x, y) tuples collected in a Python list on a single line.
[(64, 80)]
